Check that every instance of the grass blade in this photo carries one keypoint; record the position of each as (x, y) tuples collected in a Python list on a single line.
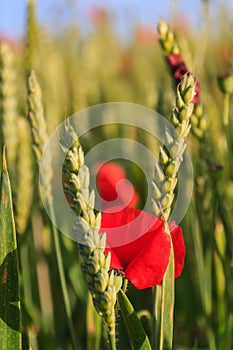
[(137, 334), (10, 336)]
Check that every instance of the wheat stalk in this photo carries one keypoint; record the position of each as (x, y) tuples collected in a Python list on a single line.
[(8, 103), (95, 263), (170, 46), (170, 158), (39, 131)]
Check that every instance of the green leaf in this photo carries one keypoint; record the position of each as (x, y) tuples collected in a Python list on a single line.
[(137, 334), (10, 336), (78, 282)]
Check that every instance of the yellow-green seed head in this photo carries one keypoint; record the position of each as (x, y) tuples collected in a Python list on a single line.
[(198, 110), (92, 265), (170, 36), (173, 167), (156, 191), (186, 112), (203, 124), (159, 174), (106, 301), (194, 120), (170, 184), (180, 103), (101, 281), (162, 28), (167, 200), (163, 157), (189, 94), (155, 207)]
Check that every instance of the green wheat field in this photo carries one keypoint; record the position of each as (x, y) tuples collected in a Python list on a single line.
[(58, 294)]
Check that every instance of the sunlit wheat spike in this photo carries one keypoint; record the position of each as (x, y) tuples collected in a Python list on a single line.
[(169, 44), (95, 264), (8, 103), (31, 36), (170, 155), (39, 130), (167, 38)]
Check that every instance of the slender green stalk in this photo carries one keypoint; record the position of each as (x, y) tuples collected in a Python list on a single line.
[(156, 315), (203, 36), (167, 306), (227, 129), (24, 194), (226, 103), (125, 285), (112, 341), (94, 323), (163, 308), (62, 277), (204, 264)]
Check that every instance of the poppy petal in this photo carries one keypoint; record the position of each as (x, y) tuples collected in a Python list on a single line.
[(115, 262), (128, 230), (112, 188), (139, 245), (148, 267), (179, 249)]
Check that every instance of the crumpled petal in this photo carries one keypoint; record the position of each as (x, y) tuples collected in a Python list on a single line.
[(127, 230), (149, 265), (144, 259), (179, 248)]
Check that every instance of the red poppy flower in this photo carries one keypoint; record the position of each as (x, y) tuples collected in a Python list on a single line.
[(98, 15), (8, 41), (139, 245), (113, 185), (145, 35), (178, 69)]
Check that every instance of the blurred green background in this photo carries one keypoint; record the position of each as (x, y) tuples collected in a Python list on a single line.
[(86, 53)]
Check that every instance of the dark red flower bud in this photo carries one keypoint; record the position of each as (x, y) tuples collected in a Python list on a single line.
[(178, 69)]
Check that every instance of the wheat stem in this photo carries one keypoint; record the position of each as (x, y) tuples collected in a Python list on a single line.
[(39, 138), (96, 264)]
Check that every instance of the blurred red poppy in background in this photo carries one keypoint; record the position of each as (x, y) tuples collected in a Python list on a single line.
[(98, 14), (178, 69), (146, 35), (114, 188), (140, 247)]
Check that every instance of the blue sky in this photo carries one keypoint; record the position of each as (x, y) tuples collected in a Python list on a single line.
[(55, 13)]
